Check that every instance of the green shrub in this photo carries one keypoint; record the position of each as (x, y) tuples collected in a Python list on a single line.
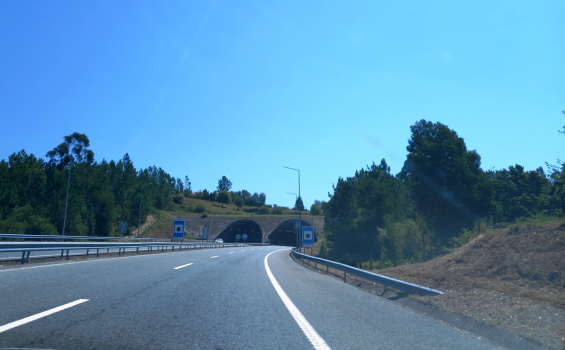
[(263, 210), (315, 210), (238, 202), (199, 208), (277, 211)]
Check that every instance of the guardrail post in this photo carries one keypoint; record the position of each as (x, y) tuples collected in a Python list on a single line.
[(173, 248), (23, 256), (97, 253), (108, 251), (27, 256), (87, 252), (119, 251), (68, 254), (62, 251), (344, 276), (137, 251)]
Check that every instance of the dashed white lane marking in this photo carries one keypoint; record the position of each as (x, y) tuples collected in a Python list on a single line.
[(252, 249), (243, 250), (309, 331), (212, 257), (180, 267), (230, 253), (40, 315)]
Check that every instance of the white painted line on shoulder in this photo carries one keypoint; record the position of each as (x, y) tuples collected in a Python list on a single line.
[(213, 257), (40, 315), (309, 331), (180, 267)]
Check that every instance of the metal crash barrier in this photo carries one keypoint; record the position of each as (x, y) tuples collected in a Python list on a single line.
[(385, 281)]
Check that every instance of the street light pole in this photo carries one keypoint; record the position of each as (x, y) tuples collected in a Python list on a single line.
[(295, 226), (140, 198), (67, 200), (299, 221)]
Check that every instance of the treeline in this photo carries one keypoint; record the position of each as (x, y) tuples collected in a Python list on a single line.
[(33, 191), (439, 200)]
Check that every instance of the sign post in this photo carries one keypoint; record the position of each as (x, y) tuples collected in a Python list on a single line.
[(178, 230), (307, 236)]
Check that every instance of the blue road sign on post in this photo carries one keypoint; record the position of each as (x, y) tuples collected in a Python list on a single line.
[(178, 230), (307, 236), (244, 236)]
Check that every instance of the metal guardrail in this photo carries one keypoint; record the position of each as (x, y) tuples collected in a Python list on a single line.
[(85, 238), (386, 281), (27, 248)]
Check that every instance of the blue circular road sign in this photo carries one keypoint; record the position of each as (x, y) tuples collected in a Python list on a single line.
[(244, 236)]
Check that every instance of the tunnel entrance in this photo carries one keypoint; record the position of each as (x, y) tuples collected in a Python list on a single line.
[(250, 227), (285, 233)]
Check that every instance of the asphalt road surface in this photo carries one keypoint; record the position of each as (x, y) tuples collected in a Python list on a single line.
[(229, 298)]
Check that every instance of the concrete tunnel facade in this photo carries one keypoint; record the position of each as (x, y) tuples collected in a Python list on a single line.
[(278, 230)]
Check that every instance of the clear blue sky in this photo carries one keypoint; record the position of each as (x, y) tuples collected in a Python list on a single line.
[(241, 88)]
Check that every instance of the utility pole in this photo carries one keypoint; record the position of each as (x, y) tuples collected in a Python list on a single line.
[(295, 226), (299, 221)]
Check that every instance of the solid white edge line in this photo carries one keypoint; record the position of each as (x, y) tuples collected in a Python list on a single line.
[(309, 331), (40, 315), (212, 257), (180, 267)]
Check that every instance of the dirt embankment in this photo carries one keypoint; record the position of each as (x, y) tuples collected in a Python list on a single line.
[(512, 278)]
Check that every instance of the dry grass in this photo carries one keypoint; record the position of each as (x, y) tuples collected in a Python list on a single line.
[(511, 278)]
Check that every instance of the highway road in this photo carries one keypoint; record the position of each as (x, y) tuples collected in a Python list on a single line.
[(228, 298)]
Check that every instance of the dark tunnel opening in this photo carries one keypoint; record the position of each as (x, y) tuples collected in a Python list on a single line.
[(250, 227), (285, 233)]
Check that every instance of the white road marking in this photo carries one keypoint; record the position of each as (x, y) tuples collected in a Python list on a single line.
[(213, 257), (309, 331), (180, 267), (40, 315), (230, 253), (252, 249), (243, 250)]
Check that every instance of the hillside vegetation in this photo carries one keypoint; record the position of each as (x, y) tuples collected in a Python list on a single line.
[(512, 278)]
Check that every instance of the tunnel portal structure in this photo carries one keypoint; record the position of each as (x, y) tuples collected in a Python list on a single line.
[(279, 230), (286, 233)]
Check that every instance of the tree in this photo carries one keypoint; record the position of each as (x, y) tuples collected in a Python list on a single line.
[(299, 205), (238, 202), (448, 185), (223, 197), (187, 184), (262, 198), (73, 149), (315, 210), (224, 184)]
